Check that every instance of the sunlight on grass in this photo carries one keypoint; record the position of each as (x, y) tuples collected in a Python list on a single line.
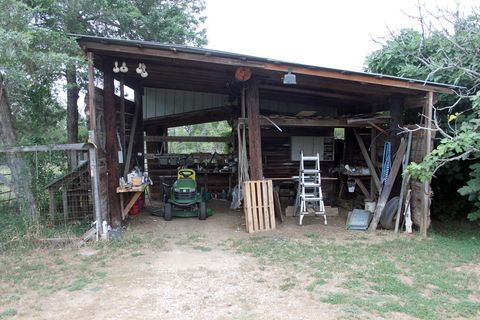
[(419, 278)]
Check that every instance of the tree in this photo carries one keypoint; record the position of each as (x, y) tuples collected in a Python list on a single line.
[(445, 49), (36, 52), (174, 21), (29, 60)]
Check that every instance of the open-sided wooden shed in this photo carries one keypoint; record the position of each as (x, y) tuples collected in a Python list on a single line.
[(185, 85)]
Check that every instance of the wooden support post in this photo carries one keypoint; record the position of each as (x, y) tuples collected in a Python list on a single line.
[(254, 134), (91, 94), (131, 138), (396, 111), (139, 143), (122, 118), (370, 165), (373, 157), (387, 188), (428, 148), (95, 181), (111, 149)]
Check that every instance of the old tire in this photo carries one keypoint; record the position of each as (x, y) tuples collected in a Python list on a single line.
[(202, 214), (167, 209), (387, 219)]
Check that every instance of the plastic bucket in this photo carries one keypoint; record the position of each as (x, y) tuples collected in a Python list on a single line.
[(370, 206)]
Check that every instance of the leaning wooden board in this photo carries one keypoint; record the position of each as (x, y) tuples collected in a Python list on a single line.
[(258, 205)]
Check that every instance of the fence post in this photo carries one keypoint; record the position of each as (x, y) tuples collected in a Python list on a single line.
[(95, 178)]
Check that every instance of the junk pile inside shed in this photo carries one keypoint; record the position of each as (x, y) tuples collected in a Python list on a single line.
[(352, 120)]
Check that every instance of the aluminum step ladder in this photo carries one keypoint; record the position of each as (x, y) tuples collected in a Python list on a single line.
[(309, 193)]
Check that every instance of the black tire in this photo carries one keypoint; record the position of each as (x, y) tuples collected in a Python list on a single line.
[(167, 211), (387, 219), (202, 211)]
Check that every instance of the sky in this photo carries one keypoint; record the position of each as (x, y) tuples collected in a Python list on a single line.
[(336, 34)]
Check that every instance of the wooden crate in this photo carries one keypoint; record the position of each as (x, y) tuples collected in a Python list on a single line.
[(258, 205)]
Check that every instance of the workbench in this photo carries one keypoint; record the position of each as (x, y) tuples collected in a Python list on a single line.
[(136, 192)]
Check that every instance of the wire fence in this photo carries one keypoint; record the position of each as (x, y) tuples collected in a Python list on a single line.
[(62, 193)]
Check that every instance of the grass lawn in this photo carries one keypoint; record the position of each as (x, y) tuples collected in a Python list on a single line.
[(362, 276), (428, 279)]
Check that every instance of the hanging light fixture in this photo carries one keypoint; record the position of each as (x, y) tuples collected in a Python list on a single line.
[(143, 72), (290, 78), (124, 68), (116, 69)]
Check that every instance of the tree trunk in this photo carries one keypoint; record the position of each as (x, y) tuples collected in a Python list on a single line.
[(72, 111), (20, 174)]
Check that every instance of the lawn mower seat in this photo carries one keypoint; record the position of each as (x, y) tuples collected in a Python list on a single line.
[(186, 174)]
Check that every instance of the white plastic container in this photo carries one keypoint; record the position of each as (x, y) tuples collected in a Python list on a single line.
[(370, 206)]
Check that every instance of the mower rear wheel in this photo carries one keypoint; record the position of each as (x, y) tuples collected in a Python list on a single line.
[(202, 214), (167, 211)]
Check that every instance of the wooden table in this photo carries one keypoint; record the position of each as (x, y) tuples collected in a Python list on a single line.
[(136, 192)]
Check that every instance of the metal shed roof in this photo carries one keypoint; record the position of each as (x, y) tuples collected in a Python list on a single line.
[(271, 63)]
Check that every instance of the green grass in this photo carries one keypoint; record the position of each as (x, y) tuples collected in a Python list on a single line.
[(288, 284), (10, 312), (421, 278), (202, 248)]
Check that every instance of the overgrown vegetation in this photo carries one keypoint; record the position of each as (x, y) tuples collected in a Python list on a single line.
[(433, 279), (32, 270), (444, 48), (210, 129)]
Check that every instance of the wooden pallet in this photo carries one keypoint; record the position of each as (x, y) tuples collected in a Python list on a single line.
[(258, 205)]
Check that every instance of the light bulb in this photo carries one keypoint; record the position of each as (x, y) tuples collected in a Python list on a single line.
[(144, 74), (140, 68), (116, 69), (124, 68)]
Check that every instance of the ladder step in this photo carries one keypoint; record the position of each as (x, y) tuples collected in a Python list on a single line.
[(309, 158), (307, 199), (310, 171), (311, 184)]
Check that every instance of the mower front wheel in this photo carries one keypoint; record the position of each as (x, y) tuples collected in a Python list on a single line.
[(167, 211), (202, 214)]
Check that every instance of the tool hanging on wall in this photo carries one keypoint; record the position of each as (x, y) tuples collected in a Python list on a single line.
[(386, 162), (120, 147)]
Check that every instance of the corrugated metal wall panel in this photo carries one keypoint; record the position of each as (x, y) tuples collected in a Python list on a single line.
[(164, 102)]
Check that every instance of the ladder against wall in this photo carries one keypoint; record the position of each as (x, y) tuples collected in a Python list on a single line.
[(309, 192)]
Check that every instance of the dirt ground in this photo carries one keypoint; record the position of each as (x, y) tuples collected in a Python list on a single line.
[(193, 276)]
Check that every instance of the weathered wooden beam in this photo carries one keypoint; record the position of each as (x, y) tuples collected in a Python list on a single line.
[(111, 149), (367, 121), (428, 148), (373, 158), (387, 188), (131, 138), (122, 115), (299, 122), (254, 132), (369, 162), (186, 139), (91, 93), (124, 50), (139, 143), (318, 93), (95, 180), (46, 147), (396, 121)]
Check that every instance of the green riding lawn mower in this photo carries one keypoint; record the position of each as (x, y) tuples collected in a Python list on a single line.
[(182, 199)]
